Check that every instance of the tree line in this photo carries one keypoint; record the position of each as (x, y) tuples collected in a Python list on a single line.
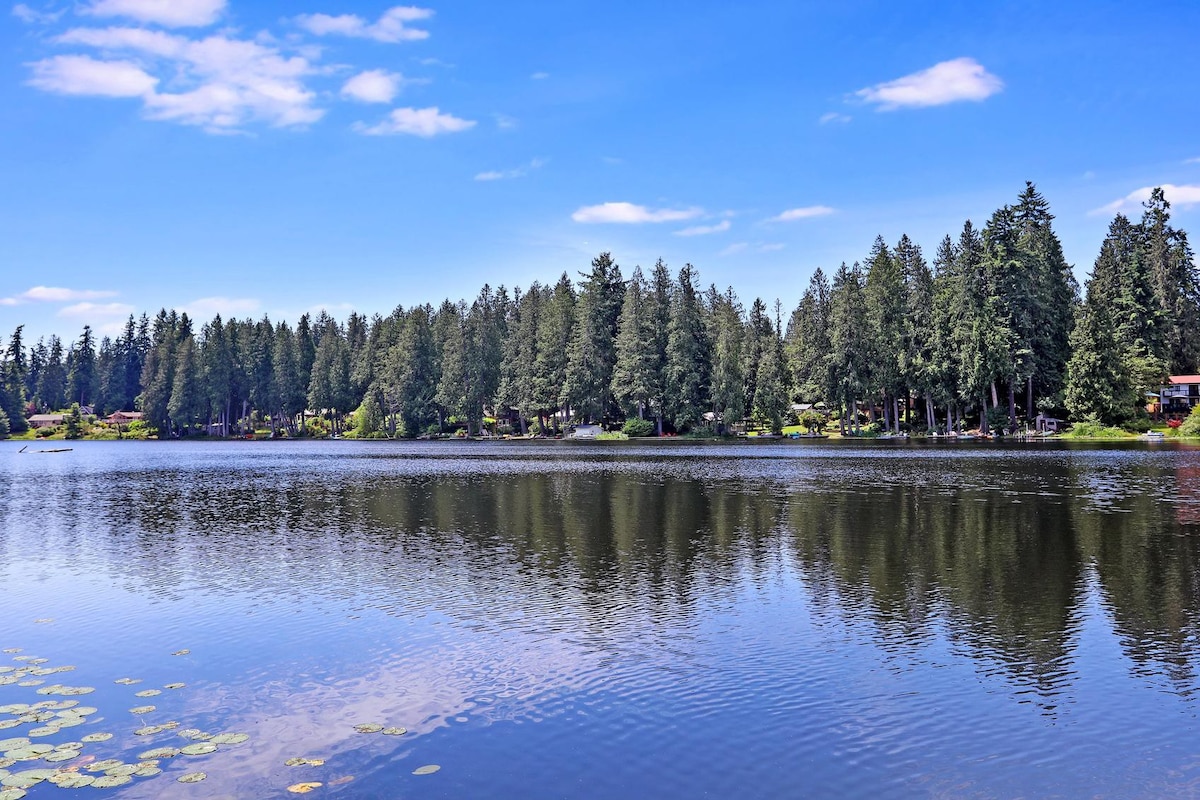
[(992, 331)]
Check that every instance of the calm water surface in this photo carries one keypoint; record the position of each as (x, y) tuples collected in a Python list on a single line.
[(635, 620)]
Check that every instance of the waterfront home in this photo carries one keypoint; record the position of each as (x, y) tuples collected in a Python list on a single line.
[(123, 417), (46, 420), (1180, 395)]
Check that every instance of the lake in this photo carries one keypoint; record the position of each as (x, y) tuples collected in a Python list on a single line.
[(607, 620)]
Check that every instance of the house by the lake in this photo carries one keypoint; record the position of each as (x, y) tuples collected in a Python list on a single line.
[(123, 417), (46, 420), (1179, 396)]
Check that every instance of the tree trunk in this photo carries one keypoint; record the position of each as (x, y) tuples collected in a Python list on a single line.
[(1012, 408), (1029, 398), (983, 422), (995, 397)]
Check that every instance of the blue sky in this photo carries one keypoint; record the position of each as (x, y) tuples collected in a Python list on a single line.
[(276, 157)]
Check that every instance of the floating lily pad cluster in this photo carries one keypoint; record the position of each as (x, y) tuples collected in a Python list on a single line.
[(26, 762)]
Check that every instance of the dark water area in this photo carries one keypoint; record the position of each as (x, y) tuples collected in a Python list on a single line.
[(559, 620)]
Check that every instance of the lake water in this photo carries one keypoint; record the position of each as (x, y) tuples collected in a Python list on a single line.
[(558, 620)]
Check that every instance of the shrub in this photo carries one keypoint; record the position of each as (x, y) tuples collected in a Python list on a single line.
[(636, 428), (1191, 425), (1092, 428), (4, 428), (997, 419)]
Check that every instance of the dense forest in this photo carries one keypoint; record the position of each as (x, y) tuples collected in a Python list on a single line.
[(989, 333)]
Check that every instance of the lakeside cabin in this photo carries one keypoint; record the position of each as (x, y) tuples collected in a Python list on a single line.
[(46, 420), (1179, 396), (123, 417)]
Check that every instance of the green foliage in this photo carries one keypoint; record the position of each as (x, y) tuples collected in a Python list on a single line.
[(812, 421), (1191, 425), (997, 419), (636, 428), (612, 436), (368, 420), (1092, 427), (73, 423), (4, 428)]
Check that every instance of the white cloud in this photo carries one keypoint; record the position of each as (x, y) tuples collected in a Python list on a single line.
[(630, 214), (1182, 196), (373, 86), (228, 307), (771, 247), (391, 27), (56, 294), (171, 13), (83, 75), (947, 82), (31, 16), (833, 116), (701, 230), (426, 122), (793, 214), (93, 310), (519, 172), (540, 76), (216, 82), (505, 122), (1192, 160)]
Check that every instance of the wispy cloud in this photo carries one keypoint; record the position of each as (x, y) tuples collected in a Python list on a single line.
[(947, 82), (424, 122), (630, 214), (373, 86), (93, 310), (56, 294), (508, 174), (392, 27), (170, 13), (1183, 196), (217, 82), (807, 212), (833, 116), (703, 230), (31, 16), (1192, 160), (504, 122), (228, 307), (743, 247), (540, 76)]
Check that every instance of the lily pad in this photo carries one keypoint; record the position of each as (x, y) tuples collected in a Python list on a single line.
[(111, 781), (147, 772), (148, 693), (9, 723), (198, 749), (304, 788), (174, 685), (368, 727), (394, 731), (195, 733), (127, 681), (192, 777), (182, 652), (304, 762), (428, 769), (48, 730), (31, 682), (12, 794), (230, 738), (69, 746), (160, 752), (80, 711), (60, 755), (11, 650), (105, 765), (97, 737), (124, 769), (12, 744), (72, 780), (142, 710), (149, 730)]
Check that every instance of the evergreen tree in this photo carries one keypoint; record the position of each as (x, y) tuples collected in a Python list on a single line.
[(1173, 275), (554, 338), (731, 339), (291, 392), (918, 370), (635, 372), (771, 400), (52, 387), (807, 342), (688, 366), (82, 380), (188, 404), (592, 353), (1097, 385), (885, 300), (849, 343), (12, 383)]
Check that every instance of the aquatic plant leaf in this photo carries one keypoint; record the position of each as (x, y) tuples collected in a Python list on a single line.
[(230, 738), (142, 710), (174, 685), (60, 755), (147, 772), (428, 769), (148, 693), (159, 752), (149, 730), (394, 731), (182, 652), (12, 744), (72, 780), (304, 788), (198, 749), (192, 777), (368, 727), (111, 781), (11, 793), (124, 769), (91, 738), (127, 681), (104, 765), (305, 762)]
